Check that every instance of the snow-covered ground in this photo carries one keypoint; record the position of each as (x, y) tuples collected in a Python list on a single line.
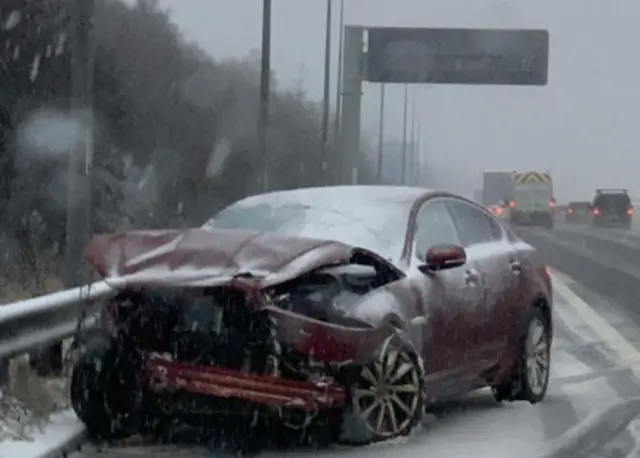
[(586, 377), (61, 428)]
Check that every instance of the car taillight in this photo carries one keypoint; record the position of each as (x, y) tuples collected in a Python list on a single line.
[(569, 211), (596, 211), (552, 204), (512, 204), (630, 211)]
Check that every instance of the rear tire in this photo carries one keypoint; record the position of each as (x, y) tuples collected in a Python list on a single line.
[(386, 395), (531, 375)]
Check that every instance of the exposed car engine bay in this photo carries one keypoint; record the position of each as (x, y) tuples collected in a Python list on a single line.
[(327, 294), (215, 327)]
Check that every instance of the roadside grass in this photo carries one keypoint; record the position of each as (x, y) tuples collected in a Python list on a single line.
[(28, 400)]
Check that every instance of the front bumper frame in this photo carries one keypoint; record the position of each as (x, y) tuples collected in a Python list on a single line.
[(165, 375)]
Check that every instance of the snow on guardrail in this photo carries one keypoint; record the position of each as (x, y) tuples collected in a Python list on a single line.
[(27, 401), (34, 323)]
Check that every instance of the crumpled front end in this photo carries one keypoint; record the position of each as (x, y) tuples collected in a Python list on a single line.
[(231, 343)]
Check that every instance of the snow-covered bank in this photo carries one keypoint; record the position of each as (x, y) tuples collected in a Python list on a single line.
[(61, 433)]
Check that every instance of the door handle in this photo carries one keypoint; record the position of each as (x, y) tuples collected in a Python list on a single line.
[(516, 267), (471, 277)]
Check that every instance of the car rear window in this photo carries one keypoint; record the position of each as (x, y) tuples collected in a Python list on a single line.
[(613, 201), (579, 206)]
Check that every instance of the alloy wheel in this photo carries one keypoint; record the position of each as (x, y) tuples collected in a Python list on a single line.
[(387, 394), (537, 356)]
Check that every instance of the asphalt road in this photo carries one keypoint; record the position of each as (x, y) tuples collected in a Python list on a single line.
[(604, 267)]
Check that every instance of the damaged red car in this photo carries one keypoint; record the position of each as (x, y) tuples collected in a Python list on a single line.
[(349, 308)]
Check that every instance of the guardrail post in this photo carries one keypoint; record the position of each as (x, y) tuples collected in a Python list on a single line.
[(47, 361), (4, 372)]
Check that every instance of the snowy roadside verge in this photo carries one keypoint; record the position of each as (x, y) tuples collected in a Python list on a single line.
[(62, 434), (35, 418)]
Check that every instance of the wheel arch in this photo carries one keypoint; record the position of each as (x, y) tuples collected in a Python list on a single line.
[(394, 320), (543, 304)]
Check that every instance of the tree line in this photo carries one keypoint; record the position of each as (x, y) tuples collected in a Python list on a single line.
[(175, 136)]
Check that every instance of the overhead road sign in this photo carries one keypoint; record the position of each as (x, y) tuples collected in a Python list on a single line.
[(458, 56)]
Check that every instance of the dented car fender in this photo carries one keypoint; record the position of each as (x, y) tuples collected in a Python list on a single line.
[(327, 342), (394, 304)]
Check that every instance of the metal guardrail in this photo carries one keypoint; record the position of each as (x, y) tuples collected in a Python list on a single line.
[(31, 324)]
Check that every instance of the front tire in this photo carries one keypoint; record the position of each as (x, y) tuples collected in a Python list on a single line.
[(103, 391), (386, 396), (531, 378)]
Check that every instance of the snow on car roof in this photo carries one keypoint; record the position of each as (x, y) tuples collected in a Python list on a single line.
[(370, 193), (371, 217)]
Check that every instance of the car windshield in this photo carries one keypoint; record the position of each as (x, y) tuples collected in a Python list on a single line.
[(379, 227), (579, 206)]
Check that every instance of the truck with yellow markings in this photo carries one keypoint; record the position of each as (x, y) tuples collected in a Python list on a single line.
[(531, 200)]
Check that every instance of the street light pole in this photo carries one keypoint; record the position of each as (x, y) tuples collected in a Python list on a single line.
[(404, 135), (413, 141), (381, 133), (339, 79), (327, 81), (419, 152), (265, 76), (79, 180), (80, 162)]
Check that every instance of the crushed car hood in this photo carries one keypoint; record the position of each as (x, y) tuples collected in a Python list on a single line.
[(207, 257)]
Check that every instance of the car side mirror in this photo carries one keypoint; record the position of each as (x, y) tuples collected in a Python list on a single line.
[(443, 257)]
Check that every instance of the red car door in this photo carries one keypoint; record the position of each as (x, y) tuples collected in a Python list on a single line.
[(520, 269), (447, 295), (484, 253), (511, 281)]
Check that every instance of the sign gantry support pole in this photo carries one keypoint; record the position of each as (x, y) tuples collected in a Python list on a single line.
[(265, 90), (339, 79), (327, 91), (352, 72)]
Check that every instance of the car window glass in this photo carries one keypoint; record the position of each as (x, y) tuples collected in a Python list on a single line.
[(579, 206), (617, 201), (434, 226), (473, 225), (497, 229)]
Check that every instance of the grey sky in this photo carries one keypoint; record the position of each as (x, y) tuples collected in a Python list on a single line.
[(583, 126)]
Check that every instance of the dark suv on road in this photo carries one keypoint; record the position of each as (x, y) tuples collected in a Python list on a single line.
[(612, 207), (578, 213)]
